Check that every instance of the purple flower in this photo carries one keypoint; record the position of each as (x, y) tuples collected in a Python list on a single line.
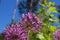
[(15, 32), (31, 21), (56, 35)]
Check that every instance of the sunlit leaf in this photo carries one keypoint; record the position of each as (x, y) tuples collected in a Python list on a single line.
[(51, 4), (52, 9), (52, 28)]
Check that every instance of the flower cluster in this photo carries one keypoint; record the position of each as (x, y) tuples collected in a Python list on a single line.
[(18, 31), (56, 35), (31, 21), (15, 32)]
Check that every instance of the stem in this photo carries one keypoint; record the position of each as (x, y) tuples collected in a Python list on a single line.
[(31, 6), (28, 35)]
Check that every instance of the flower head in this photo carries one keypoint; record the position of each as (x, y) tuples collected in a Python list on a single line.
[(31, 21), (15, 32), (56, 35)]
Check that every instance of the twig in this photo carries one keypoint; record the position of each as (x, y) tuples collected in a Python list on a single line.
[(14, 12)]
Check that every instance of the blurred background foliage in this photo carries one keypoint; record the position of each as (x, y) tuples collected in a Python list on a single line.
[(24, 6)]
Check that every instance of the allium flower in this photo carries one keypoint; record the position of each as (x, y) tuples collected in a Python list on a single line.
[(15, 32), (31, 21), (56, 35)]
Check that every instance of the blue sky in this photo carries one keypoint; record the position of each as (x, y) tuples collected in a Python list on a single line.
[(6, 10)]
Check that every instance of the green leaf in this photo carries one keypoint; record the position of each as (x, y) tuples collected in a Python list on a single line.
[(52, 28), (51, 4), (52, 9), (40, 36)]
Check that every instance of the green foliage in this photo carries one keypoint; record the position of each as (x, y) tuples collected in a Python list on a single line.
[(1, 37), (32, 36), (46, 13)]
